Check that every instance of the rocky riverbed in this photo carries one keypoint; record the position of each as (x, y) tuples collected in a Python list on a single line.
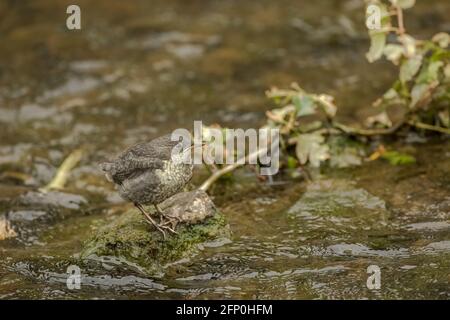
[(140, 69)]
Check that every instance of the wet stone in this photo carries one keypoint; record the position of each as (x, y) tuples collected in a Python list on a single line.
[(25, 215), (53, 198), (130, 238), (32, 212), (189, 207), (328, 196), (337, 206)]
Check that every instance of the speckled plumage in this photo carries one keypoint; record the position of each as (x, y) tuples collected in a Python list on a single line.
[(146, 174)]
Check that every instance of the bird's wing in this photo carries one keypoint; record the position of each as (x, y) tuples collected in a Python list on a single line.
[(123, 169), (140, 158), (160, 148)]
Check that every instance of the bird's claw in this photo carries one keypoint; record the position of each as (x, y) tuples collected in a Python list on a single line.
[(172, 221), (158, 227), (163, 225), (168, 228)]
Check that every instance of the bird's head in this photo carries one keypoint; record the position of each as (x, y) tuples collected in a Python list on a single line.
[(186, 155)]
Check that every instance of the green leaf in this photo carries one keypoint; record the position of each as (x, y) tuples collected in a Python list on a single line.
[(404, 4), (409, 45), (433, 70), (345, 152), (304, 105), (292, 162), (397, 158), (430, 73), (377, 43), (391, 94), (418, 93), (393, 52), (311, 147), (409, 68)]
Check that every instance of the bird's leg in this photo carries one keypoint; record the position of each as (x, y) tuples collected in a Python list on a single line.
[(149, 219), (160, 213), (173, 221), (162, 223)]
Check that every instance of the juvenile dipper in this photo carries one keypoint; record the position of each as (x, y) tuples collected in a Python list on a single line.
[(146, 174)]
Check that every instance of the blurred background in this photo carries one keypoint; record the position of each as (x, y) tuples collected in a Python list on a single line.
[(139, 69)]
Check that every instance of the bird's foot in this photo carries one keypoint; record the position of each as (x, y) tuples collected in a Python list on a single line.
[(158, 227), (169, 222), (150, 221), (165, 221), (168, 229)]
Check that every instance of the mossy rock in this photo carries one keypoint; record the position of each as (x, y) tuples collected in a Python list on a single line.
[(132, 239)]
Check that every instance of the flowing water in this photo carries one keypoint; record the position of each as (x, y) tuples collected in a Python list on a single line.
[(139, 69)]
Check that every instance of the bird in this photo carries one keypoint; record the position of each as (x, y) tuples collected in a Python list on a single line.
[(148, 174)]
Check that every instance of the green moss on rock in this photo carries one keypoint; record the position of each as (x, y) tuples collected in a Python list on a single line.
[(131, 238)]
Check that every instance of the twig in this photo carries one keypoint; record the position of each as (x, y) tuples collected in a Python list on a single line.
[(229, 168), (430, 127), (368, 132), (68, 164), (401, 27)]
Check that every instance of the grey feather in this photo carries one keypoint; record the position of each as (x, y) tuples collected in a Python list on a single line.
[(145, 172)]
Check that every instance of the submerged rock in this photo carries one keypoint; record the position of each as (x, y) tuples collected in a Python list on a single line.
[(132, 239), (339, 207), (27, 213), (53, 199), (326, 197)]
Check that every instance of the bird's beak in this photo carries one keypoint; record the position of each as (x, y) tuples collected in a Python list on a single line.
[(196, 146)]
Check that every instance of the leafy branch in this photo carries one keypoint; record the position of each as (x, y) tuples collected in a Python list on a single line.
[(422, 91), (307, 121)]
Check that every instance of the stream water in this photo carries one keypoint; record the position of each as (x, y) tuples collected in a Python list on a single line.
[(139, 69)]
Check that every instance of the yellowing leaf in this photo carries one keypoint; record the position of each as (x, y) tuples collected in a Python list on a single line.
[(328, 105), (447, 71), (409, 44), (305, 105), (381, 118), (310, 147), (442, 38)]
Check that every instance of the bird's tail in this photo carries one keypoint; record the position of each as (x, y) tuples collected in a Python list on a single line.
[(107, 166), (109, 169)]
